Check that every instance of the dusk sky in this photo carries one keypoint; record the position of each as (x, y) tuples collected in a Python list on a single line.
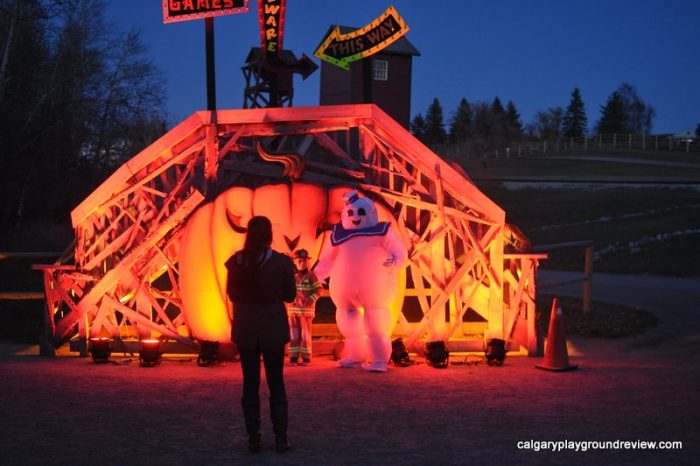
[(531, 52)]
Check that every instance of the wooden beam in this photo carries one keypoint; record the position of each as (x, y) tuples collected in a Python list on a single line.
[(112, 277), (141, 320)]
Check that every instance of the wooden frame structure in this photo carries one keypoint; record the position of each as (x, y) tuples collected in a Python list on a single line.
[(124, 280)]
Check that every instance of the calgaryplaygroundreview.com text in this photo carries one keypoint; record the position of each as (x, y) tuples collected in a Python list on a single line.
[(585, 445)]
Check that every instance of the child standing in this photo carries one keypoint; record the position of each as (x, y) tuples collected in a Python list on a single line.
[(301, 312)]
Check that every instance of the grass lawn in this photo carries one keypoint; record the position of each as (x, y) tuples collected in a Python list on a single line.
[(643, 228)]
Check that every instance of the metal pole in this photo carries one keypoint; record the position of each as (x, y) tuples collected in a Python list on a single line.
[(211, 73), (587, 281)]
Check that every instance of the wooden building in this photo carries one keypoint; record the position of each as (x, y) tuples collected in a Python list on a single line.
[(383, 79)]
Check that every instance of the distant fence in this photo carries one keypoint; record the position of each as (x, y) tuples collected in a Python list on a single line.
[(586, 277), (602, 142), (24, 295)]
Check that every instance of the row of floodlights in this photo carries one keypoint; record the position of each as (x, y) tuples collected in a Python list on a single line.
[(151, 351), (436, 352), (438, 356)]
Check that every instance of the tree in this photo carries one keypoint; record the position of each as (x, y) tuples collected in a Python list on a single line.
[(131, 94), (613, 116), (461, 123), (547, 124), (512, 118), (575, 121), (434, 124), (497, 107), (483, 120), (418, 127), (697, 131), (639, 114), (73, 95)]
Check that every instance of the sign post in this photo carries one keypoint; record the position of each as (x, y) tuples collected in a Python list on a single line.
[(271, 15), (211, 68), (184, 10)]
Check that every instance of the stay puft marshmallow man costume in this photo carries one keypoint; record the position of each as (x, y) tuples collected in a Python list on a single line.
[(362, 259)]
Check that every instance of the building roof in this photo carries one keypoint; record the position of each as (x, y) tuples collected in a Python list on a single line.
[(400, 47)]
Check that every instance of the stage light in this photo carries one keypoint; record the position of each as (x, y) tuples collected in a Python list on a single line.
[(495, 352), (208, 353), (399, 355), (150, 353), (100, 349), (436, 354)]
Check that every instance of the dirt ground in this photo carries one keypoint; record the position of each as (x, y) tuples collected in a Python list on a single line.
[(69, 410)]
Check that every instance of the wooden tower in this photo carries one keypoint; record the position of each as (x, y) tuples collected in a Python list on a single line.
[(264, 88), (383, 79)]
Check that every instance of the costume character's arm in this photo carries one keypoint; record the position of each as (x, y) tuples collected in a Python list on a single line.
[(323, 267), (396, 249)]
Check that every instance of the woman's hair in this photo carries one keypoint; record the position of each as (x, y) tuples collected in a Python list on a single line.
[(257, 240)]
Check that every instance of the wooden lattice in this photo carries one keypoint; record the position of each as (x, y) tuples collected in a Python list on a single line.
[(125, 278)]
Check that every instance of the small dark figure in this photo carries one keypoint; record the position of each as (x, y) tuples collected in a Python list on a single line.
[(259, 281), (302, 311)]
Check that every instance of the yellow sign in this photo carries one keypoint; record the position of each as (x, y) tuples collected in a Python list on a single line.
[(342, 49)]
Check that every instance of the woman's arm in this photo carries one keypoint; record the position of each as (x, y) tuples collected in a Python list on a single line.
[(288, 286)]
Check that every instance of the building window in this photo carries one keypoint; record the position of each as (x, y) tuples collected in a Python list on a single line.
[(380, 70)]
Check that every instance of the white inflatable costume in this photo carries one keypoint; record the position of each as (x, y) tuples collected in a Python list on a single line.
[(362, 259)]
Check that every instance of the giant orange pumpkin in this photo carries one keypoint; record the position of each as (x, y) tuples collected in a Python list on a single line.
[(217, 230)]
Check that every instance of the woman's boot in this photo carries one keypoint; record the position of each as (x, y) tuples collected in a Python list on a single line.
[(278, 414), (251, 415)]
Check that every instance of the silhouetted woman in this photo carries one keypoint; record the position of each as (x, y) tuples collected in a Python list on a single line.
[(259, 281)]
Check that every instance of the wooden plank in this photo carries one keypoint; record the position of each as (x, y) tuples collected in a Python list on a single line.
[(516, 301), (141, 320), (112, 277), (28, 255), (439, 303), (21, 295), (110, 248), (476, 247), (135, 183), (162, 148), (176, 191), (406, 144)]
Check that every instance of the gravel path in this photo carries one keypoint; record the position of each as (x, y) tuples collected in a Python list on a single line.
[(70, 411)]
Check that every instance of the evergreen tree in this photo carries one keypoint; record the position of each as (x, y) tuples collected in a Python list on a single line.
[(499, 133), (575, 121), (613, 116), (483, 120), (418, 127), (434, 124), (497, 108), (461, 123), (515, 126)]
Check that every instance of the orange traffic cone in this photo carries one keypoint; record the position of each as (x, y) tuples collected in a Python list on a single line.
[(556, 357)]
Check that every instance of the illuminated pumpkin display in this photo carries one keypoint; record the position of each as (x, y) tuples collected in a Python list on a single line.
[(217, 230), (152, 240)]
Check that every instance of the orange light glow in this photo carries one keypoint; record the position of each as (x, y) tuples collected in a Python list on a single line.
[(217, 230), (150, 341)]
